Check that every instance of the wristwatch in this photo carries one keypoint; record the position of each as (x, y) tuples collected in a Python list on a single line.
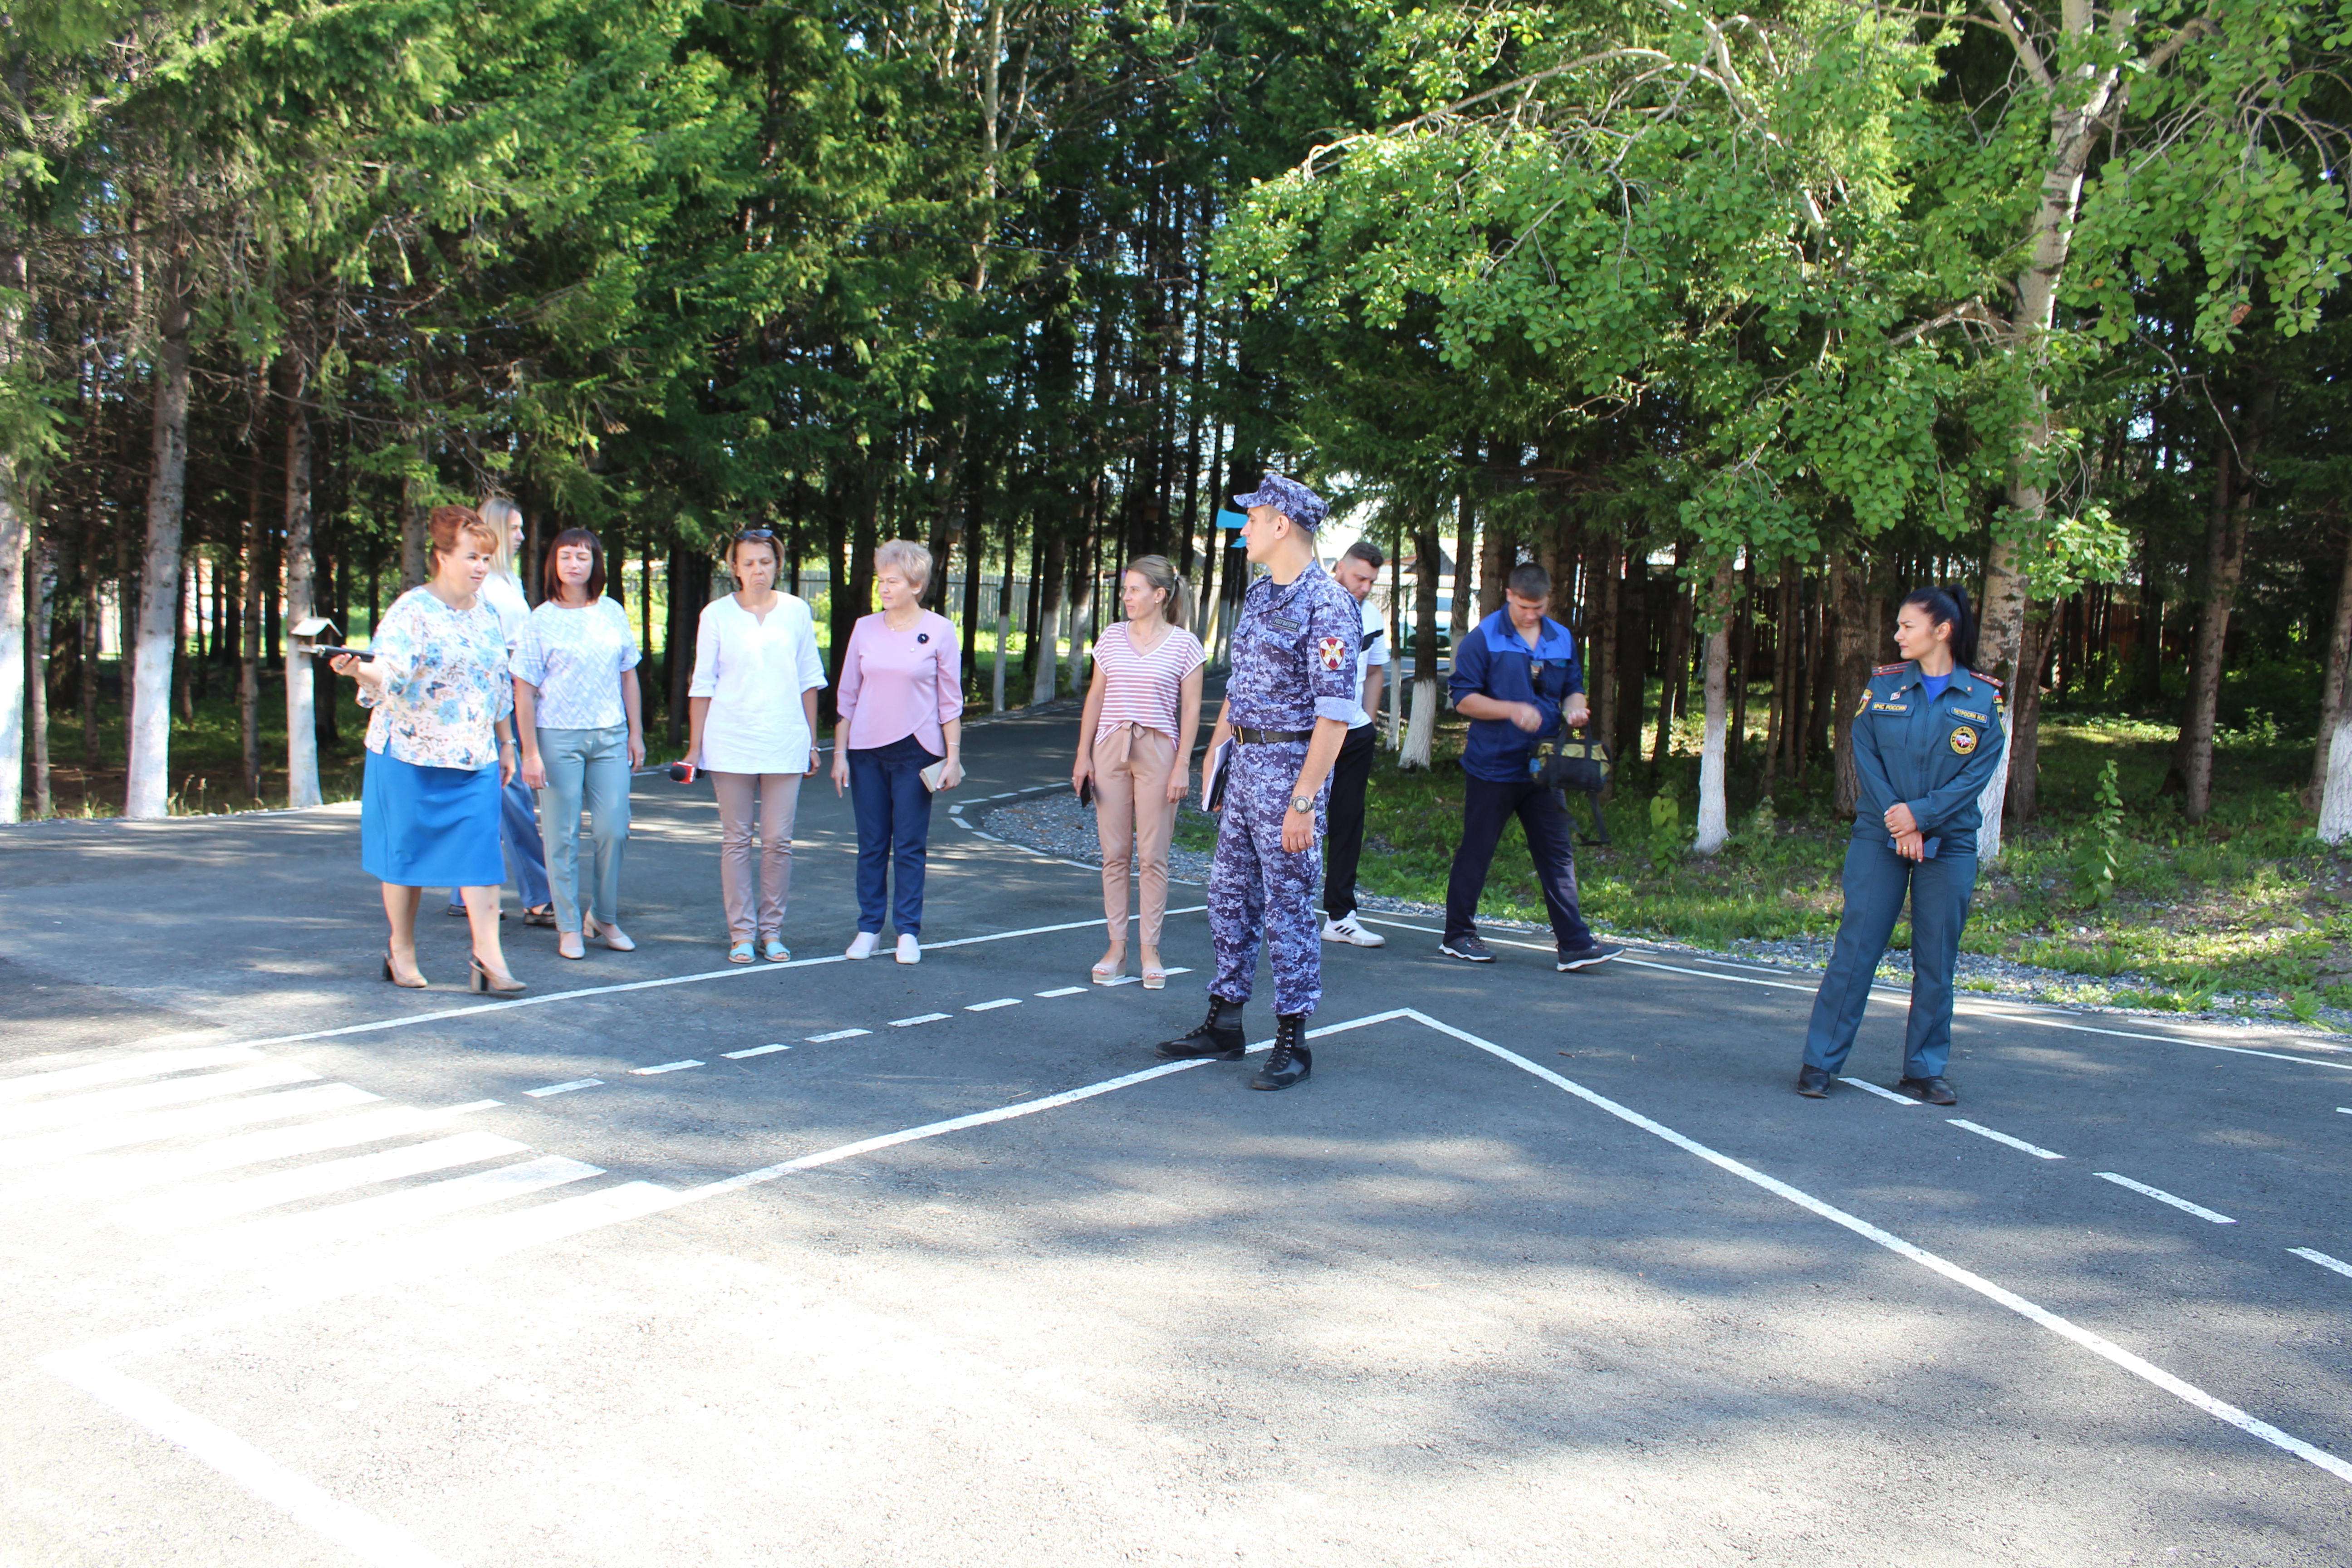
[(1302, 802)]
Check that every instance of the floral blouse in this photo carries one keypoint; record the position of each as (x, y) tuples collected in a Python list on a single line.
[(445, 683)]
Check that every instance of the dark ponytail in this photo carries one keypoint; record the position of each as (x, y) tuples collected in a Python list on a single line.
[(1949, 608)]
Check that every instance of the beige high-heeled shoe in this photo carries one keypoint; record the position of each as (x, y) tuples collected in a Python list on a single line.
[(1109, 969), (1155, 974), (501, 983)]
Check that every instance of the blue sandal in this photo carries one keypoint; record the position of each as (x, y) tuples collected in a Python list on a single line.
[(740, 953)]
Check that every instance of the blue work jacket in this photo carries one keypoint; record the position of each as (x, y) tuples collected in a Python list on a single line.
[(1933, 756), (1494, 661)]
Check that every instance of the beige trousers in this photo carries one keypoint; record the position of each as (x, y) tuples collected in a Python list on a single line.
[(1136, 819), (776, 798)]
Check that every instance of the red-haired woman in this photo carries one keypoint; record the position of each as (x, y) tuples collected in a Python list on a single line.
[(576, 705), (436, 765)]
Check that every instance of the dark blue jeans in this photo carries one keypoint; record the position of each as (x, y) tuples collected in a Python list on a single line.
[(1551, 840), (894, 831)]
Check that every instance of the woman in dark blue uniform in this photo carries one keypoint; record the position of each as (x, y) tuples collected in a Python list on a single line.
[(1926, 740)]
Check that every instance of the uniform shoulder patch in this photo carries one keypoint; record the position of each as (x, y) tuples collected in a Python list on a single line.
[(1891, 668), (1988, 679), (1334, 652)]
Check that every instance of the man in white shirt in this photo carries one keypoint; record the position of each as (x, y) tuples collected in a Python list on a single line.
[(1357, 571)]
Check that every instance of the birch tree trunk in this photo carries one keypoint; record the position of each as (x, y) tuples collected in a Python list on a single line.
[(16, 538), (2078, 109), (1714, 807), (302, 720), (2331, 692), (1046, 657), (2336, 803), (156, 646), (1420, 730)]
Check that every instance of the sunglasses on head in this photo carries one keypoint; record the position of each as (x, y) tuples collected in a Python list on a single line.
[(755, 533)]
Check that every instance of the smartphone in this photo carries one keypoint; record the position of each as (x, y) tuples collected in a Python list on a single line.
[(1086, 790)]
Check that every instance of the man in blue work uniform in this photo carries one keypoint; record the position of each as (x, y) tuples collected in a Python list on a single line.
[(1515, 676), (1289, 699), (1927, 739)]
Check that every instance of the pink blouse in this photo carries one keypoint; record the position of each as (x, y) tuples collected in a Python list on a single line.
[(895, 684), (1146, 688)]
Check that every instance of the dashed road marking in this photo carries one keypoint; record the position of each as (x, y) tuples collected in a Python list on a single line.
[(665, 1066), (1065, 990), (754, 1051), (2160, 1196), (992, 1006), (2324, 1261), (917, 1018), (565, 1087), (2033, 1149), (838, 1035), (1870, 1087)]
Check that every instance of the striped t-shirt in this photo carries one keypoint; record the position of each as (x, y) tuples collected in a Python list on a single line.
[(1146, 688)]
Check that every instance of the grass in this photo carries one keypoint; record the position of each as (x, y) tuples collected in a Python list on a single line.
[(2247, 908)]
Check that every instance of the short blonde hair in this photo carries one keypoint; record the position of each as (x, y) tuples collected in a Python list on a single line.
[(503, 517), (910, 559)]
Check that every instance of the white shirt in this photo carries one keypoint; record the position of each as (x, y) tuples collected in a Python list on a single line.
[(1372, 648), (575, 655), (505, 595), (754, 671)]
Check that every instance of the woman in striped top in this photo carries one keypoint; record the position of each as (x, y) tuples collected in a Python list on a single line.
[(1142, 712)]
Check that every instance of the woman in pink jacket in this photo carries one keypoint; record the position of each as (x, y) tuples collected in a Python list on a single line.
[(901, 704)]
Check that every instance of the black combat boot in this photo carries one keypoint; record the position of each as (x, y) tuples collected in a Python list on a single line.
[(1218, 1039), (1290, 1061)]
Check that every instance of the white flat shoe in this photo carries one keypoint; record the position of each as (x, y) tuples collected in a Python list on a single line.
[(864, 944), (909, 949)]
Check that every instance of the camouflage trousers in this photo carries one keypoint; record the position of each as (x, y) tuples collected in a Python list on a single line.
[(1259, 890)]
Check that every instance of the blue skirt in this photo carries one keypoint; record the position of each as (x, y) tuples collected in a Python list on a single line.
[(430, 828)]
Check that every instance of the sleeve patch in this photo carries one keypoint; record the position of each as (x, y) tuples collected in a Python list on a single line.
[(1333, 651)]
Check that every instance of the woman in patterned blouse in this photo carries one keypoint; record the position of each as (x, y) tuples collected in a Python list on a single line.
[(429, 808), (576, 705)]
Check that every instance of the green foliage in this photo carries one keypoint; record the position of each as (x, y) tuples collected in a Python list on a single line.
[(2101, 851), (1666, 845)]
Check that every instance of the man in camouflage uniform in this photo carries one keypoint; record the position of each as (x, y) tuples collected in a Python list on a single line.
[(1289, 703)]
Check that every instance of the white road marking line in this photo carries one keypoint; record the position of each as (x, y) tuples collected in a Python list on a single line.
[(992, 837), (565, 1087), (230, 1199), (2035, 1150), (757, 1051), (732, 971), (666, 1067), (1119, 980), (362, 1534), (1889, 994), (2097, 1344), (2324, 1261), (1065, 990), (2344, 1110), (124, 1172), (469, 1106), (146, 1064), (2160, 1196), (1870, 1087), (917, 1018), (838, 1035), (992, 1006), (362, 1216), (1180, 969), (156, 1126), (110, 1102)]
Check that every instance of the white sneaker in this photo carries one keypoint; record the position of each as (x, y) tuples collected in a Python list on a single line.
[(909, 949), (867, 940), (1345, 929)]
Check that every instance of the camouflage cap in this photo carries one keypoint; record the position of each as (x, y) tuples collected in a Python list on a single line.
[(1288, 496)]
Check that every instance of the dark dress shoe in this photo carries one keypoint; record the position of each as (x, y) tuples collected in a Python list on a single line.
[(1218, 1039), (1934, 1090), (1290, 1061), (1813, 1083)]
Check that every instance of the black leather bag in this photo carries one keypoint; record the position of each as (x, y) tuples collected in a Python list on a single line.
[(1578, 760)]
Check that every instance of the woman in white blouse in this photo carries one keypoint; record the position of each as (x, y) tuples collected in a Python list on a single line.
[(751, 726), (576, 703)]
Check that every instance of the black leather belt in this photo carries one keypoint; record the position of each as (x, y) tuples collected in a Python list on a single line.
[(1270, 737)]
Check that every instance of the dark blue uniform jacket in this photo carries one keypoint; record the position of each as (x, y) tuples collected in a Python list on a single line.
[(1933, 756), (1494, 661)]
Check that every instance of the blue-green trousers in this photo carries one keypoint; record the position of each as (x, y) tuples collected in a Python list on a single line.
[(1876, 878)]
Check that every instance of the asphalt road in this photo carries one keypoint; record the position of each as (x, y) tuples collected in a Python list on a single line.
[(851, 1264)]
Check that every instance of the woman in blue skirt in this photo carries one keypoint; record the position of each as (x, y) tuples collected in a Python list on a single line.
[(435, 765)]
